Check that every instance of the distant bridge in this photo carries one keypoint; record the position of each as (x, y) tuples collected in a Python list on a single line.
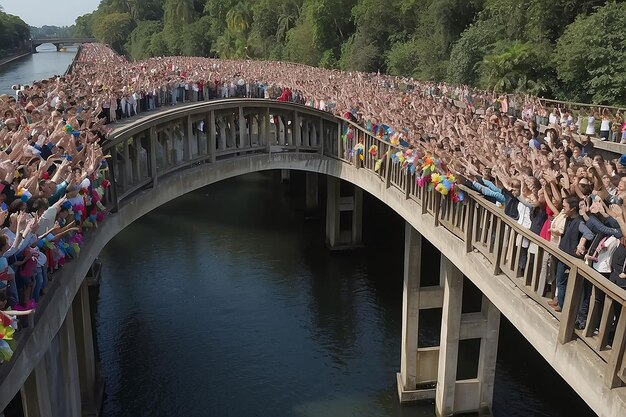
[(59, 42)]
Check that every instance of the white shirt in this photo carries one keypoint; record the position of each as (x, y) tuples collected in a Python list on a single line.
[(605, 253)]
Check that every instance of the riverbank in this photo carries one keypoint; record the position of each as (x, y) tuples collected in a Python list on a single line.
[(14, 58)]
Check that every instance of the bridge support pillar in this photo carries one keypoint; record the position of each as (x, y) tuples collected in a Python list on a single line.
[(312, 195), (285, 175), (69, 362), (35, 393), (337, 236), (468, 395), (91, 387), (418, 367)]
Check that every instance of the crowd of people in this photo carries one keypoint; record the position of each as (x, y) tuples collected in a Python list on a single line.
[(53, 169)]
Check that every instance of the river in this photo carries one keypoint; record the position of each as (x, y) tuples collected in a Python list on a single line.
[(226, 302), (35, 67)]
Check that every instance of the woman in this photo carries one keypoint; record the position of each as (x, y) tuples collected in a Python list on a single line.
[(605, 125)]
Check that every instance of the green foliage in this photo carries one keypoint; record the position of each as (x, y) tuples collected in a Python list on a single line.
[(158, 45), (359, 54), (572, 49), (84, 26), (114, 29), (403, 58), (195, 39), (51, 32), (14, 33), (177, 14), (590, 56), (514, 67), (300, 46), (139, 42)]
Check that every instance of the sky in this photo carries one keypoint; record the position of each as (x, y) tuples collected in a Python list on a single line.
[(49, 12)]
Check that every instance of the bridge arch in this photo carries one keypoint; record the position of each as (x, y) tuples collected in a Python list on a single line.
[(57, 42), (163, 156)]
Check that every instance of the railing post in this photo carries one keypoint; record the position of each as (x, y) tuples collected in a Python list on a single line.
[(233, 130), (497, 255), (267, 129), (469, 225), (211, 136), (297, 139), (153, 158), (320, 131), (187, 139), (437, 206), (570, 307), (112, 168), (243, 131), (615, 366), (319, 143), (340, 150), (388, 169), (407, 185)]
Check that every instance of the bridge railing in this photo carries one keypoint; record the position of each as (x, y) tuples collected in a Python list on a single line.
[(210, 132), (505, 245)]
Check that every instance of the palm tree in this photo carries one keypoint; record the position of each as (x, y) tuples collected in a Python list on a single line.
[(237, 18), (179, 11), (285, 22), (503, 71)]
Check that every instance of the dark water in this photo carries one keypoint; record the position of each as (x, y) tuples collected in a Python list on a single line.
[(35, 67), (226, 302)]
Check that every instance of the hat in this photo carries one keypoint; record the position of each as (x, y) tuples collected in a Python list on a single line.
[(622, 160)]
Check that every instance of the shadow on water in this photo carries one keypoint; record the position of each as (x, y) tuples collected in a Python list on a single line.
[(226, 302)]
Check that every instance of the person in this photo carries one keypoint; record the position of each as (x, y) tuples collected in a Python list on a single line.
[(573, 241)]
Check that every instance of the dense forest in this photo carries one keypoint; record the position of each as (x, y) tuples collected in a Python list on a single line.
[(569, 49), (14, 34)]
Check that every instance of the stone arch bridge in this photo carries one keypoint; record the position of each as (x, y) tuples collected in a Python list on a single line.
[(58, 42), (163, 155)]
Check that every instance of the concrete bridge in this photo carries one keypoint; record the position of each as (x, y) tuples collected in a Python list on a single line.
[(59, 42), (162, 156)]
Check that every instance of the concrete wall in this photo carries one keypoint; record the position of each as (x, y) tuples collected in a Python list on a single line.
[(582, 369)]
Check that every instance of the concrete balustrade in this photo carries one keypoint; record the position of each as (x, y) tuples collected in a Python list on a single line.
[(157, 158)]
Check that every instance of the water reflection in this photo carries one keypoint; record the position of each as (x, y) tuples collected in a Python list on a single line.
[(226, 302)]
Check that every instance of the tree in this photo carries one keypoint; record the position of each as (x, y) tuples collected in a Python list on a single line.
[(83, 26), (114, 29), (299, 46), (138, 45), (177, 14), (403, 58), (468, 51), (158, 45), (14, 33), (360, 54), (179, 11), (195, 39), (589, 56)]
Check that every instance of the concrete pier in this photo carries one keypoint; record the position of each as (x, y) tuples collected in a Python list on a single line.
[(65, 382), (418, 365), (455, 396), (347, 234), (312, 191)]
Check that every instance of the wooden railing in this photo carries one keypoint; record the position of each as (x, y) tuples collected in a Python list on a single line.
[(484, 228), (206, 133)]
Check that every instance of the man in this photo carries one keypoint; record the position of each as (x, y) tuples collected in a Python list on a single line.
[(587, 145), (575, 235)]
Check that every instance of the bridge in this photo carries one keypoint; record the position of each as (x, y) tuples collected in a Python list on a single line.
[(159, 157), (59, 42)]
